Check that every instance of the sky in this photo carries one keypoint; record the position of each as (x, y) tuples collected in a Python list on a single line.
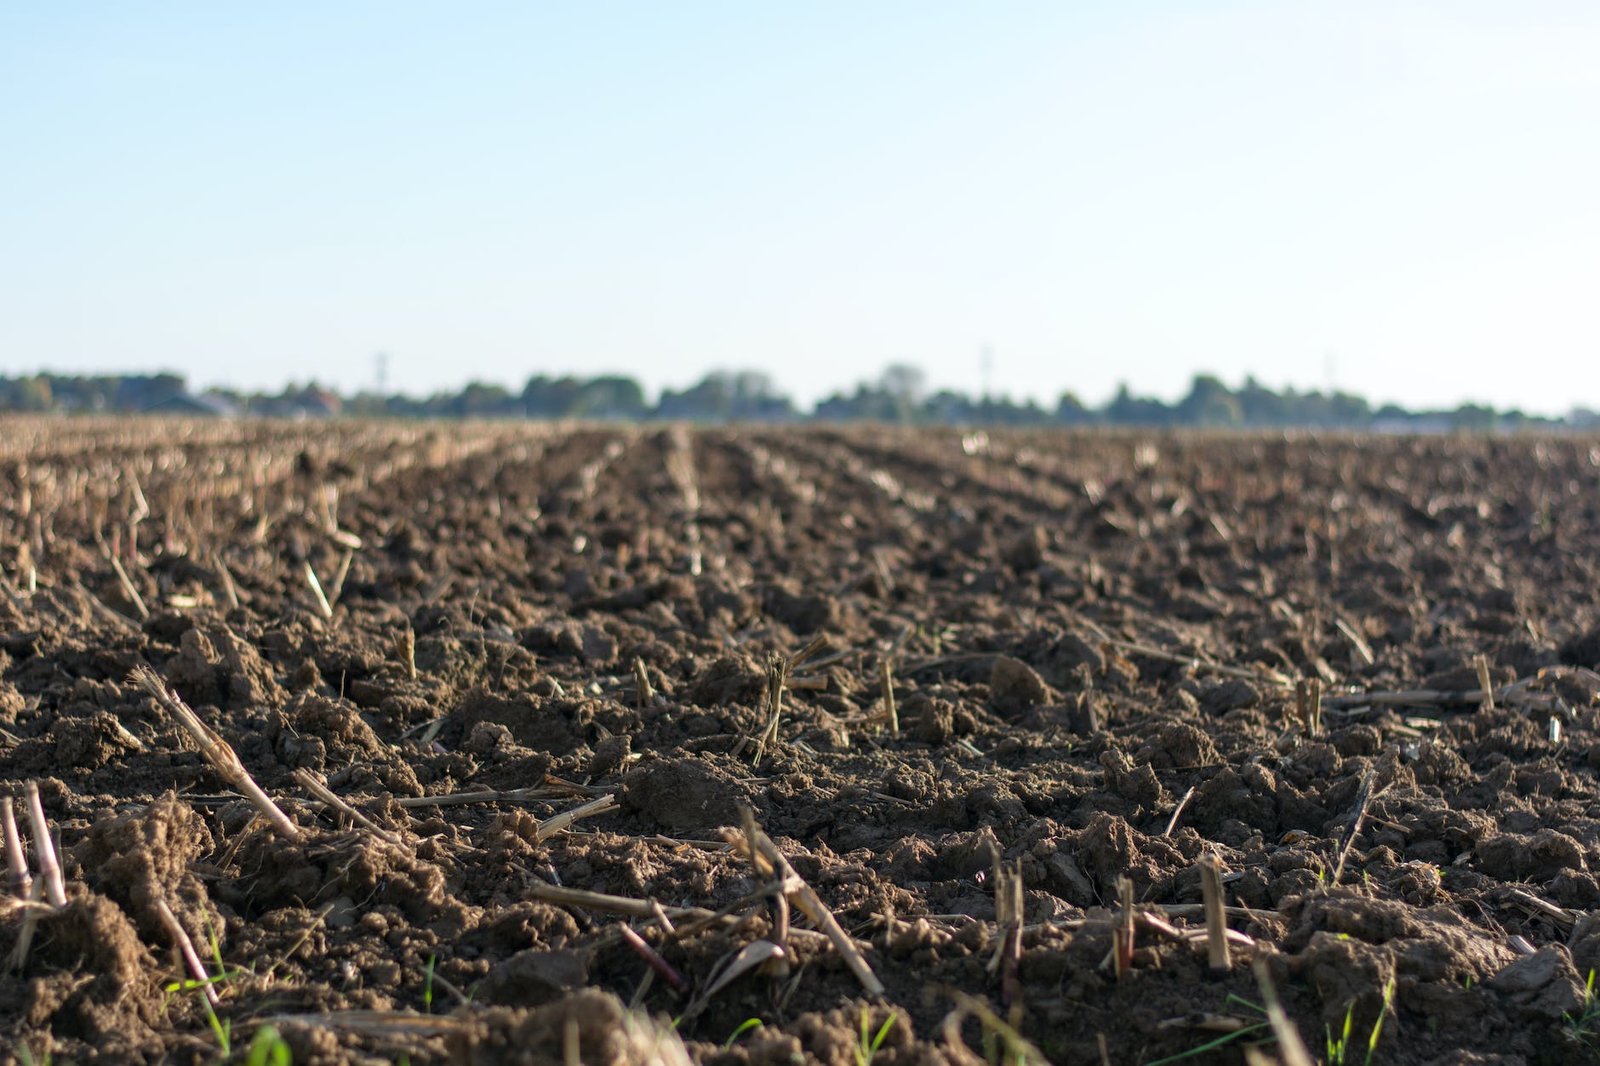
[(1397, 199)]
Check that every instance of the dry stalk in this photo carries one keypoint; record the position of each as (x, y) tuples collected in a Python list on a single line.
[(653, 957), (99, 607), (777, 676), (337, 588), (645, 909), (1290, 1046), (16, 860), (1122, 936), (1485, 682), (405, 646), (1357, 820), (779, 671), (230, 590), (32, 909), (1563, 918), (216, 750), (16, 601), (1152, 923), (777, 966), (1518, 692), (886, 679), (641, 681), (607, 904), (128, 591), (309, 782), (1017, 1048), (1363, 650), (191, 959), (374, 1023), (563, 821), (1007, 958), (802, 896), (316, 590), (1216, 920), (1177, 812), (44, 850), (1308, 704), (1264, 674)]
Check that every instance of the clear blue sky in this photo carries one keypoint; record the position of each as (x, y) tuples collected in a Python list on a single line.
[(1403, 196)]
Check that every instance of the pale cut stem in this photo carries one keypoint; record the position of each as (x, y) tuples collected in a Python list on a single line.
[(191, 958), (44, 851), (405, 644), (229, 589), (1177, 812), (808, 901), (316, 591), (216, 750), (886, 680), (337, 588), (338, 803), (30, 922), (127, 587), (1216, 921), (1291, 1048), (16, 859), (559, 822)]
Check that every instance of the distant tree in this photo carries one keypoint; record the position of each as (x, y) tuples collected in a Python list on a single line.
[(481, 400), (544, 397), (1126, 409), (34, 394), (708, 400), (611, 397), (1209, 403), (1071, 411)]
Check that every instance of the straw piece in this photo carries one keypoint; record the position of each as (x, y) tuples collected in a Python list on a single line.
[(1290, 1045), (44, 850), (191, 959), (309, 782), (316, 591), (802, 896), (216, 750), (1216, 922), (21, 880), (128, 590)]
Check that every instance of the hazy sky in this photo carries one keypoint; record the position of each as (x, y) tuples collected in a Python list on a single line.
[(1404, 198)]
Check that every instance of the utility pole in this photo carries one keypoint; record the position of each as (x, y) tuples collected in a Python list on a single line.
[(382, 361), (986, 365)]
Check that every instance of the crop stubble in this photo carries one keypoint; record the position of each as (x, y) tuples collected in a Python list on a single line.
[(518, 714)]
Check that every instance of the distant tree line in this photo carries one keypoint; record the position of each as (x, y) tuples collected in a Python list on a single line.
[(898, 395)]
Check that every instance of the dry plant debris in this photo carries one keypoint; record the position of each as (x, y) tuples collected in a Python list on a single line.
[(1044, 743)]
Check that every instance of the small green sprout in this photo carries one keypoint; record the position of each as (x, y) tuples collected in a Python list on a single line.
[(866, 1048), (1339, 1049), (1585, 1027), (268, 1048), (744, 1027)]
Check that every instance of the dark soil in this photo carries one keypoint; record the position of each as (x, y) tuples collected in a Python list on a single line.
[(1088, 632)]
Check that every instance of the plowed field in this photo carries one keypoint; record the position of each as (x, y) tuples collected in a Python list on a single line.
[(987, 707)]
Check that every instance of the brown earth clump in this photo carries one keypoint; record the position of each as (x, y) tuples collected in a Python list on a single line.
[(544, 687)]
